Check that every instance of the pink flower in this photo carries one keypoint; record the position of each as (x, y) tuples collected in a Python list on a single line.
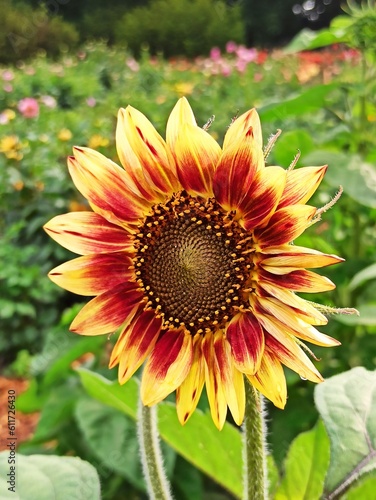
[(91, 102), (231, 47), (215, 54), (132, 64), (7, 75), (28, 107), (48, 101)]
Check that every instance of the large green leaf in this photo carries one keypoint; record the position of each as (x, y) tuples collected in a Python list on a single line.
[(349, 171), (347, 404), (47, 477), (306, 466), (307, 101)]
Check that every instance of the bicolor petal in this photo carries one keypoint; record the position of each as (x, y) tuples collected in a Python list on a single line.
[(285, 225), (196, 154), (260, 202), (301, 307), (246, 338), (247, 124), (87, 232), (236, 172), (149, 147), (104, 185), (140, 338), (108, 311), (301, 185), (231, 378), (213, 383), (189, 392), (167, 367), (299, 280), (93, 274), (287, 258)]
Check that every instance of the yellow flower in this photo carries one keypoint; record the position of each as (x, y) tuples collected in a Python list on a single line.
[(188, 250), (64, 135), (184, 88), (10, 145), (97, 141)]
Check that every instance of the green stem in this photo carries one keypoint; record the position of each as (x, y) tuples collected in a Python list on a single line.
[(151, 456), (254, 446)]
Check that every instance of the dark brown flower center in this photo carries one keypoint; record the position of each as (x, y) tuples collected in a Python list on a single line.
[(190, 262)]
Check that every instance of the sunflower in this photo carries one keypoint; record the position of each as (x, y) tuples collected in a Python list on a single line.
[(187, 250)]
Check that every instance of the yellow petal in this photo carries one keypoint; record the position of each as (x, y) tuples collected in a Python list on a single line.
[(246, 124), (182, 113), (197, 154), (270, 379)]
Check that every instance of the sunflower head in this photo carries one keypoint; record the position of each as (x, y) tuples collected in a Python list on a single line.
[(188, 251)]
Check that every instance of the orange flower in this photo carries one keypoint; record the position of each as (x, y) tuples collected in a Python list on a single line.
[(188, 251)]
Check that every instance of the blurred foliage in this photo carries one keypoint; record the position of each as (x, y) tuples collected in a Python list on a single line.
[(214, 24), (25, 31)]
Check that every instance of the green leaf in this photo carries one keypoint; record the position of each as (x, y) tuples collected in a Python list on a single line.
[(347, 404), (121, 397), (56, 411), (289, 144), (307, 101), (364, 490), (306, 465), (366, 274), (112, 437), (47, 477), (218, 454), (367, 316), (350, 171), (308, 39)]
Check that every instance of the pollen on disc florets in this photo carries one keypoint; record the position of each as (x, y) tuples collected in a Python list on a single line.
[(193, 262)]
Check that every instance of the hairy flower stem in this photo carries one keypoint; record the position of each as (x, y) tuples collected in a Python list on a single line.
[(151, 456), (254, 446)]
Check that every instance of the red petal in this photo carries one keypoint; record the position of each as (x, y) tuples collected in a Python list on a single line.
[(87, 232), (246, 338)]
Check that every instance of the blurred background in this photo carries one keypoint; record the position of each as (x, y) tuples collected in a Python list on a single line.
[(66, 67)]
